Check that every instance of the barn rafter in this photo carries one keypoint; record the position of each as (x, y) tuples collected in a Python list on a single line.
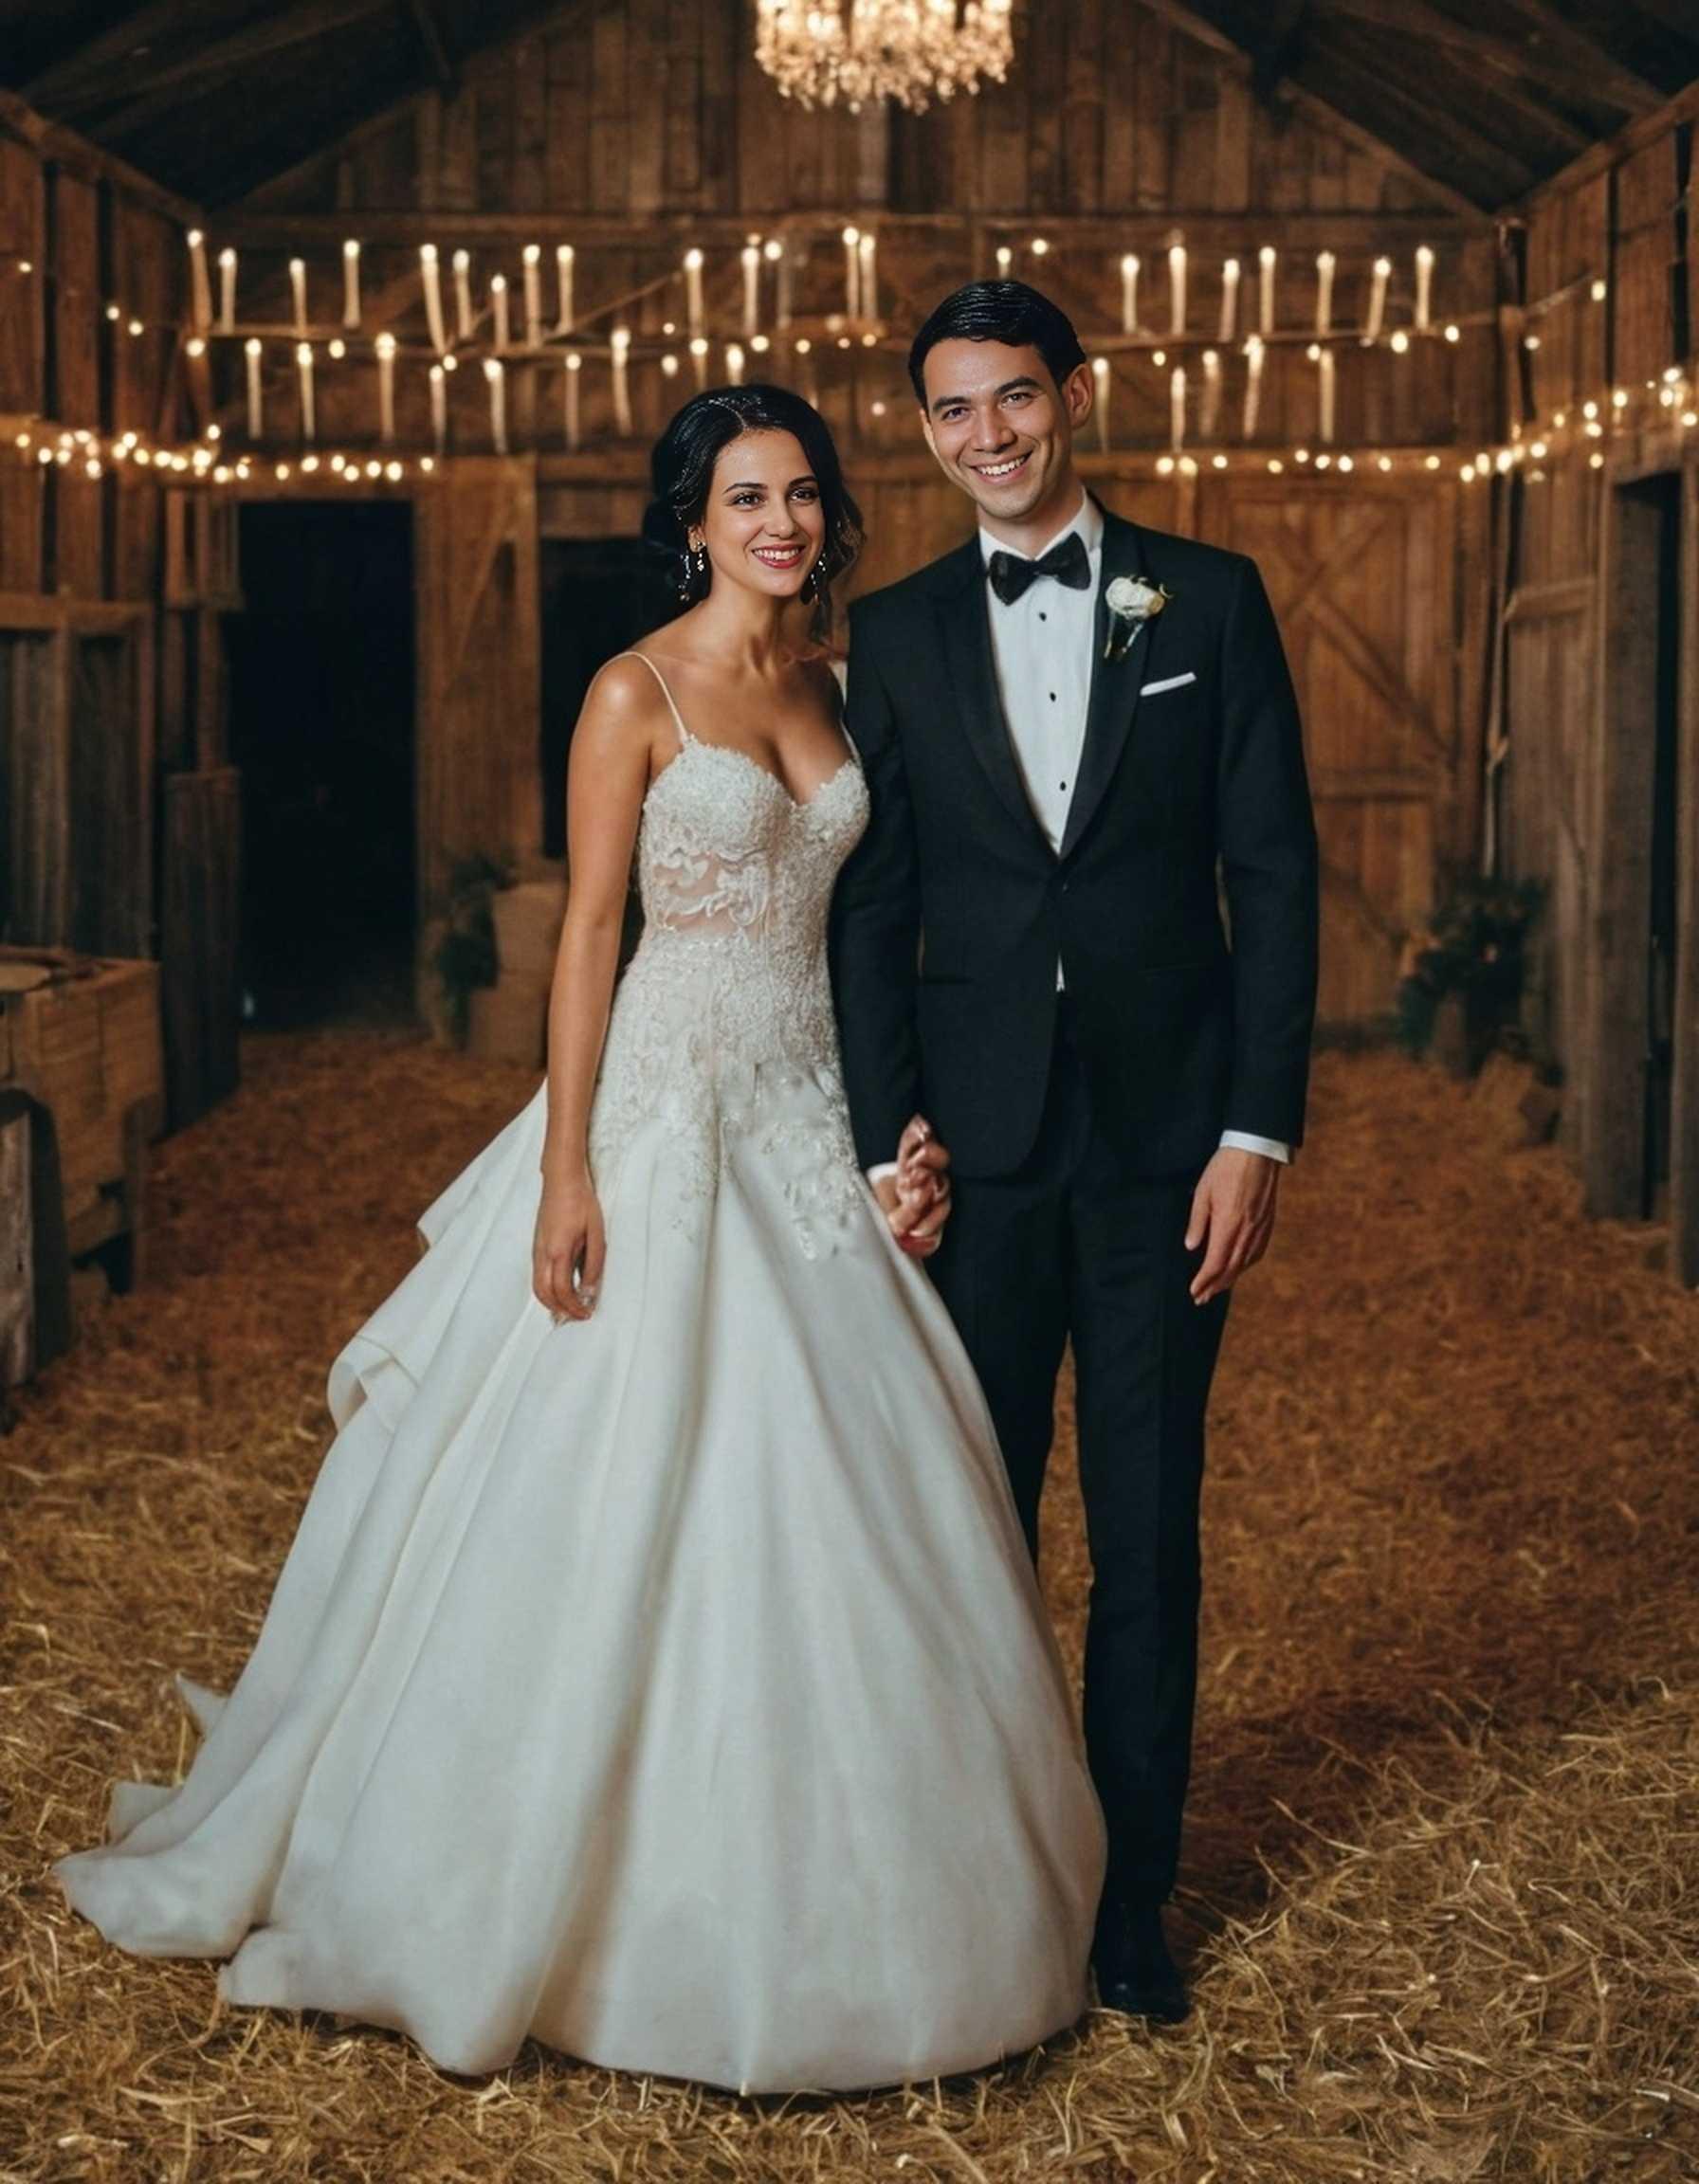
[(1478, 103)]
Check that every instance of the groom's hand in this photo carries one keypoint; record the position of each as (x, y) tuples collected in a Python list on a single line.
[(915, 1195), (1232, 1211)]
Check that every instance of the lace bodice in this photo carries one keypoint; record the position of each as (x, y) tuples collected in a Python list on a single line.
[(724, 1022)]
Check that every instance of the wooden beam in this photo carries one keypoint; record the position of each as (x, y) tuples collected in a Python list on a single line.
[(114, 48), (394, 106), (1205, 229), (430, 37), (131, 102), (1505, 63), (1591, 59), (1632, 137), (1388, 104), (1295, 91), (53, 140)]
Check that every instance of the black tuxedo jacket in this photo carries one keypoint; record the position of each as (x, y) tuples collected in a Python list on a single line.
[(952, 912)]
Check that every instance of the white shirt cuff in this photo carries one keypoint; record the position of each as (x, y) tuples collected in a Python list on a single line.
[(1275, 1148), (884, 1168)]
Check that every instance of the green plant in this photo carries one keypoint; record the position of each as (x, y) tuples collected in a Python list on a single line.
[(1475, 946), (466, 955)]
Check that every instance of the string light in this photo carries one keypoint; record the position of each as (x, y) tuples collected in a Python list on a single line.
[(1671, 390)]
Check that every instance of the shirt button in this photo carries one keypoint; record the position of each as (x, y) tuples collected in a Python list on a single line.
[(1042, 616), (1052, 697)]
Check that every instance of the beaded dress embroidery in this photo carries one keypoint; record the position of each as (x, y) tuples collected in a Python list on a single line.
[(723, 1023)]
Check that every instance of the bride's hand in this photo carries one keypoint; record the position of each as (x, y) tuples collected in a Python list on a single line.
[(568, 1239), (920, 1195)]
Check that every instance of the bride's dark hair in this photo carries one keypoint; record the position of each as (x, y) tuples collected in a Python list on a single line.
[(681, 470)]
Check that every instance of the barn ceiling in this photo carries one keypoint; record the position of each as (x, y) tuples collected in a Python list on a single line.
[(213, 97)]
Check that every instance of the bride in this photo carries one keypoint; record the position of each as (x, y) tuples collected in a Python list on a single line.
[(658, 1669)]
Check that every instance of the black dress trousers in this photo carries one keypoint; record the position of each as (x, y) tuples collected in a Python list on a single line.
[(1070, 1245)]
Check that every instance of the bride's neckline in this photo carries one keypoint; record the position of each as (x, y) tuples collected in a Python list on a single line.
[(766, 772), (688, 741)]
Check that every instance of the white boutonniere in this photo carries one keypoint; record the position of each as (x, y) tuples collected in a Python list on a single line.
[(1131, 601)]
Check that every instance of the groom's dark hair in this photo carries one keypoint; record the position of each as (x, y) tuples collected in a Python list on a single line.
[(1005, 311)]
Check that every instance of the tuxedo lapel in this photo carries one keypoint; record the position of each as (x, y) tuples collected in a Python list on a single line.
[(1115, 683), (965, 625)]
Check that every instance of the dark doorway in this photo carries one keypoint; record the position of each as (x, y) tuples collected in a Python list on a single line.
[(1664, 497), (322, 726), (598, 596)]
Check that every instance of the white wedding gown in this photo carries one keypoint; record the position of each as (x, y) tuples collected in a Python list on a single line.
[(671, 1686)]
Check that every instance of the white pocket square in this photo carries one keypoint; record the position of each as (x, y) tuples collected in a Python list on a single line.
[(1173, 683)]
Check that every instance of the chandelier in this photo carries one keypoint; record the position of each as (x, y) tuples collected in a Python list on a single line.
[(821, 52)]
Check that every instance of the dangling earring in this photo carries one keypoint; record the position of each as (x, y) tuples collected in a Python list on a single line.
[(696, 566), (815, 586)]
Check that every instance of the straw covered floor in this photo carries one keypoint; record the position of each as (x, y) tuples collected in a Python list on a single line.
[(1441, 1893)]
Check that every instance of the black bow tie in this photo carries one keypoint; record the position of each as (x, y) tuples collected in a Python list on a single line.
[(1069, 564)]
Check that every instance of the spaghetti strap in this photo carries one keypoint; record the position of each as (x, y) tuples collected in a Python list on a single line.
[(678, 718)]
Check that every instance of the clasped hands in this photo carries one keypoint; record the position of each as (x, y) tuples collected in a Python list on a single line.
[(915, 1197)]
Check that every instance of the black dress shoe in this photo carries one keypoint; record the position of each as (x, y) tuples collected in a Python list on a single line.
[(1135, 1973)]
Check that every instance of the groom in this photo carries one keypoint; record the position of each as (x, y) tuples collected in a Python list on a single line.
[(1066, 725)]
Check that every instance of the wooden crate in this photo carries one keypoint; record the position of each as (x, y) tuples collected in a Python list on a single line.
[(87, 1046)]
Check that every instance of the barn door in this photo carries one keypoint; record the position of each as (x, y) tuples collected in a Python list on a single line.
[(76, 811), (479, 779), (1359, 580)]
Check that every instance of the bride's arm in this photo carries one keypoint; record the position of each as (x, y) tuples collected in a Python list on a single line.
[(607, 778)]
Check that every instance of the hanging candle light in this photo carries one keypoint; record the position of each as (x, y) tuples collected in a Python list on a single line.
[(852, 272), (303, 361), (227, 291), (693, 290), (1129, 292), (1324, 262), (751, 261), (564, 265), (699, 359), (619, 344), (432, 280), (495, 372), (867, 275), (1230, 299), (498, 302), (251, 350), (775, 253), (1100, 380), (439, 408), (200, 287), (1177, 288), (1424, 285), (462, 294), (1371, 331), (1176, 408), (532, 258), (298, 286), (1210, 404), (1324, 396), (386, 387), (734, 364), (1253, 382), (572, 379), (351, 282), (1265, 289)]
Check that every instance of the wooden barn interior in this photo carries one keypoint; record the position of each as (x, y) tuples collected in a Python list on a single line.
[(334, 336)]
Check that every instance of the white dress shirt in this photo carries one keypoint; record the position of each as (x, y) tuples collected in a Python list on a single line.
[(1042, 643)]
